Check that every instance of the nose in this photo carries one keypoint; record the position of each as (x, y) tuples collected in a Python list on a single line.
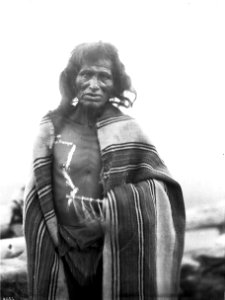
[(94, 84)]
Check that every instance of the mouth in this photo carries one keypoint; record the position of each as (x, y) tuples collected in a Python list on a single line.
[(92, 96)]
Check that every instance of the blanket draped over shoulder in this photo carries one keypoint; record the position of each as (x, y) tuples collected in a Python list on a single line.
[(144, 214)]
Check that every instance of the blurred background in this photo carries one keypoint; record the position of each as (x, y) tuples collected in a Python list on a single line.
[(174, 53)]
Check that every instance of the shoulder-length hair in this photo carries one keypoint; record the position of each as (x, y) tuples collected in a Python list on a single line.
[(92, 52)]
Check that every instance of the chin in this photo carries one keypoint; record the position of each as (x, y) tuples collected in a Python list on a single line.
[(94, 105)]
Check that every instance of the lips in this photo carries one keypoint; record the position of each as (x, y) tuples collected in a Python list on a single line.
[(92, 96)]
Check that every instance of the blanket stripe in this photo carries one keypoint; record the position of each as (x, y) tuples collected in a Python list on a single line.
[(54, 276), (134, 241), (114, 244), (40, 246), (128, 146), (112, 120), (140, 242)]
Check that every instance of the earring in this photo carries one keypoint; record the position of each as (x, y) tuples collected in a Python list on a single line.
[(74, 101)]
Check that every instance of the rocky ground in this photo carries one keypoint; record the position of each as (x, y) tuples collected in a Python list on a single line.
[(203, 272)]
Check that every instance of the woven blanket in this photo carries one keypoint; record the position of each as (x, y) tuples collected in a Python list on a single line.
[(144, 214)]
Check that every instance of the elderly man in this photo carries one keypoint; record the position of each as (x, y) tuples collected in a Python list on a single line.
[(103, 217)]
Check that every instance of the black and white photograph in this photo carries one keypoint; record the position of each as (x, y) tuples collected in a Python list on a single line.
[(112, 150)]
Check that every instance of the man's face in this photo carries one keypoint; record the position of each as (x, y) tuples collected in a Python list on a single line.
[(94, 83)]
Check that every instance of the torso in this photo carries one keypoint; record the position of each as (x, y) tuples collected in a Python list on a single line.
[(84, 169)]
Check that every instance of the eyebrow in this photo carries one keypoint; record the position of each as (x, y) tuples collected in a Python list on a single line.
[(90, 70)]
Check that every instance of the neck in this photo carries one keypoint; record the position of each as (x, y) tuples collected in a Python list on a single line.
[(85, 115)]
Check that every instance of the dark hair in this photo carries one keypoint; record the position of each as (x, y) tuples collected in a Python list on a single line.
[(91, 52)]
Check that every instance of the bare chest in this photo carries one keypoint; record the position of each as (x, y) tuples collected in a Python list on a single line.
[(77, 147)]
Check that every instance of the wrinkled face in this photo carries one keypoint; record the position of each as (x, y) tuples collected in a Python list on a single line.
[(94, 83)]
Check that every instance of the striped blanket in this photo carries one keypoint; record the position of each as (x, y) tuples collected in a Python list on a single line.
[(144, 214)]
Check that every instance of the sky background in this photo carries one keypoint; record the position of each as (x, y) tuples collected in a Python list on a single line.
[(174, 53)]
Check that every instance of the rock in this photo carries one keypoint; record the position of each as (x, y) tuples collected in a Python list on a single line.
[(203, 272), (13, 247), (13, 276)]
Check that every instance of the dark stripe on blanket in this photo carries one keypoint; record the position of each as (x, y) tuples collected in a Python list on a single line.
[(128, 146), (54, 277), (130, 165), (137, 213), (40, 245)]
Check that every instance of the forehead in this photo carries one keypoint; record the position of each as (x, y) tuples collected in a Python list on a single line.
[(100, 64)]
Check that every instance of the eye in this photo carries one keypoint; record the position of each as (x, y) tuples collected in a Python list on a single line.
[(85, 74), (105, 77)]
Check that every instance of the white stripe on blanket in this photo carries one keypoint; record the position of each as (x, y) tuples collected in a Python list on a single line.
[(165, 242)]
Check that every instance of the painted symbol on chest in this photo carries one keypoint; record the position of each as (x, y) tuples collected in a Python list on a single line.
[(66, 167)]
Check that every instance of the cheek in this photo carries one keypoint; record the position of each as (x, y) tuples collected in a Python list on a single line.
[(78, 82), (108, 88)]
